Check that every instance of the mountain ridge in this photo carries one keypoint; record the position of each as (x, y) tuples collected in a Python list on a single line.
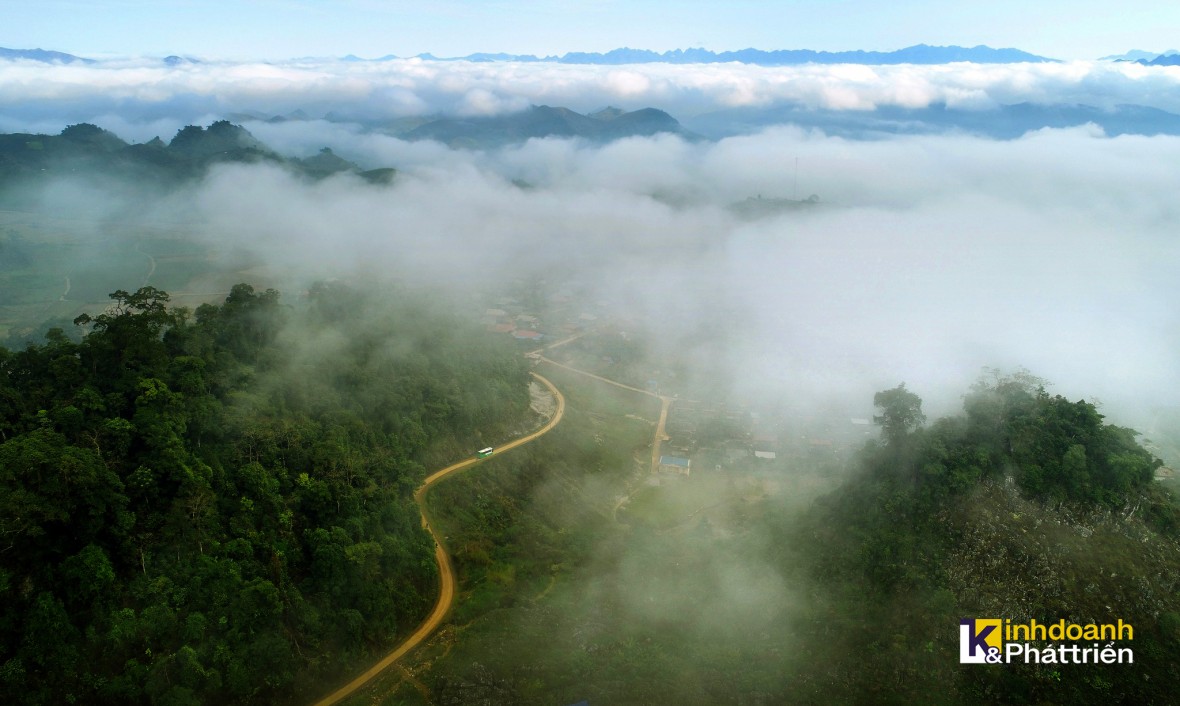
[(916, 54), (1006, 121), (85, 148), (1162, 60), (43, 55), (547, 121), (1138, 55)]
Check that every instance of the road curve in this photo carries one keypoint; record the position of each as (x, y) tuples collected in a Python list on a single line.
[(446, 595)]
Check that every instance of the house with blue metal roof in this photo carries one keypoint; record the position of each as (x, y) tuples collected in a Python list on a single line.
[(675, 464)]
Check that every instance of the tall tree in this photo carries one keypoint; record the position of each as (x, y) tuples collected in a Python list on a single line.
[(901, 413)]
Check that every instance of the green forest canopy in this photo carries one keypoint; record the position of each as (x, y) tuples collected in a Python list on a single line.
[(216, 506), (1027, 505)]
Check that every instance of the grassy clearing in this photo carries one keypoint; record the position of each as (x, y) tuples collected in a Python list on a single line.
[(115, 267), (177, 272), (679, 500), (52, 269)]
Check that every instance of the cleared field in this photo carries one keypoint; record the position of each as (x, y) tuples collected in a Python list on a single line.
[(52, 269)]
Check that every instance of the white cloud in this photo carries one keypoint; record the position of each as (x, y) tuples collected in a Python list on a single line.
[(928, 257), (151, 91)]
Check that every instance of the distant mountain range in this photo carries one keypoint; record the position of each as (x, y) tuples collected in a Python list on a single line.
[(1162, 60), (88, 151), (49, 57), (1003, 122), (1139, 56), (57, 57), (918, 54)]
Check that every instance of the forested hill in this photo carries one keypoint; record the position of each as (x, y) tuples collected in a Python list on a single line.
[(216, 506), (87, 151), (1028, 506)]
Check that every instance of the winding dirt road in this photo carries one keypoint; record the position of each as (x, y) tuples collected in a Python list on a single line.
[(446, 595)]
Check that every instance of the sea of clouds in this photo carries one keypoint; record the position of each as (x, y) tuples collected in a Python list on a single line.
[(927, 258), (140, 98)]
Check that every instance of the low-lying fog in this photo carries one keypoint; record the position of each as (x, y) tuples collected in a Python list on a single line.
[(926, 258)]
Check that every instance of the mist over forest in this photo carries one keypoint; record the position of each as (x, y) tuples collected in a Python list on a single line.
[(925, 259), (343, 287)]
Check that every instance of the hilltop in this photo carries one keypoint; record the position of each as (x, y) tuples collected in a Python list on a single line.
[(42, 55), (1026, 507)]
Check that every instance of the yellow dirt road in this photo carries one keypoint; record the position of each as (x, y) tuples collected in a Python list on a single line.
[(608, 381), (661, 435), (446, 595)]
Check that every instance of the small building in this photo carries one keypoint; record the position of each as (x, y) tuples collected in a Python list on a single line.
[(502, 328), (526, 335), (765, 454), (675, 464)]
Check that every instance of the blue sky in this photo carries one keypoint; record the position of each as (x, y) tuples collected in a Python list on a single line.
[(277, 29)]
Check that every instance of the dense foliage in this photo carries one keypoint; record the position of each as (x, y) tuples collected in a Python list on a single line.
[(565, 597), (1055, 449), (216, 506), (1028, 506)]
